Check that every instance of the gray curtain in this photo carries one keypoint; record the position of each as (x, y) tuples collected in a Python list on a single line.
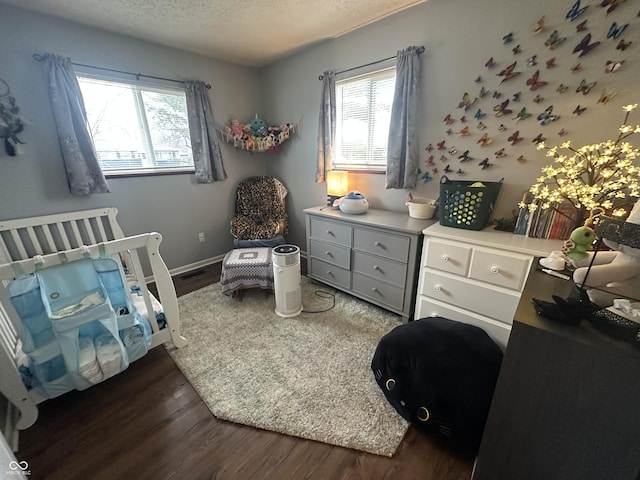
[(326, 125), (207, 156), (402, 149), (78, 151)]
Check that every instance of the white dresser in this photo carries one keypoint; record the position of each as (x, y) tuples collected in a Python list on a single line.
[(373, 256), (476, 277)]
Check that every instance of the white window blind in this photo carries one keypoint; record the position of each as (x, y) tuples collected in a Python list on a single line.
[(137, 128), (363, 112)]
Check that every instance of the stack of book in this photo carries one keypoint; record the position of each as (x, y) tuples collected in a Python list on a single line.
[(553, 223)]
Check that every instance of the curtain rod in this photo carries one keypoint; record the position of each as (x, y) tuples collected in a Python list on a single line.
[(39, 58), (419, 50)]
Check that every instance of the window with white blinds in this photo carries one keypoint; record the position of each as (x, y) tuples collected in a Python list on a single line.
[(137, 128), (363, 112)]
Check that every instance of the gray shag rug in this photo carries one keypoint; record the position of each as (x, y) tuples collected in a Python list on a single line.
[(308, 376)]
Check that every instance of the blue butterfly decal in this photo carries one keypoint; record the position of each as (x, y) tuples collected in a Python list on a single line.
[(479, 115), (483, 92), (584, 46), (547, 116), (496, 94), (615, 31), (517, 96), (508, 38), (576, 11), (426, 177)]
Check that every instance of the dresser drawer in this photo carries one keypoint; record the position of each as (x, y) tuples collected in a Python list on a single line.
[(506, 269), (448, 257), (394, 247), (378, 291), (498, 304), (498, 331), (330, 231), (380, 268), (331, 253), (330, 273)]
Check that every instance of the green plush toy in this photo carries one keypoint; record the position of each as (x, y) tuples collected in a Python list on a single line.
[(581, 240)]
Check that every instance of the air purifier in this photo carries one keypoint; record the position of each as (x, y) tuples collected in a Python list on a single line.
[(286, 280)]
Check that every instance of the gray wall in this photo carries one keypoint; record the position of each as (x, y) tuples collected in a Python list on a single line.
[(34, 183), (459, 38)]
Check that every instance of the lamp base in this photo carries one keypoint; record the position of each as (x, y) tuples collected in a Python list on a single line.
[(331, 200)]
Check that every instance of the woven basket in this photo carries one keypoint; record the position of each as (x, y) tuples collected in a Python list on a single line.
[(463, 205)]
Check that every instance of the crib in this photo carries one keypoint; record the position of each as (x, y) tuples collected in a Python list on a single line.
[(30, 243)]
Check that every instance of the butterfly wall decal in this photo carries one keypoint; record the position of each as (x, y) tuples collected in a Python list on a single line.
[(429, 147), (452, 151), (538, 139), (612, 4), (464, 132), (606, 97), (562, 88), (532, 60), (478, 79), (485, 163), (465, 156), (539, 25), (579, 110), (501, 109), (484, 140), (508, 38), (426, 177), (522, 114), (562, 132), (575, 11), (517, 96), (508, 73), (463, 119), (576, 68), (521, 159), (483, 92), (582, 26), (516, 50), (481, 126), (466, 102), (500, 153), (613, 66), (430, 160), (547, 116), (551, 63), (554, 40), (448, 119), (447, 169), (584, 46), (534, 83), (585, 87), (459, 172), (615, 30), (441, 145), (502, 127), (622, 45), (538, 99), (449, 131), (514, 137), (490, 63), (443, 159), (479, 115), (496, 94)]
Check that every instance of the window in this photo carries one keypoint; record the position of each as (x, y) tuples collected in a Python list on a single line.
[(363, 112), (137, 128)]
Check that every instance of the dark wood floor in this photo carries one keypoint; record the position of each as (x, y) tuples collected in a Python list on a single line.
[(149, 423)]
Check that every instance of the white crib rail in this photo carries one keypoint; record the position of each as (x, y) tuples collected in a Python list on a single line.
[(24, 238)]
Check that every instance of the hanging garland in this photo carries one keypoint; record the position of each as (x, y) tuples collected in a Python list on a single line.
[(11, 123), (256, 136)]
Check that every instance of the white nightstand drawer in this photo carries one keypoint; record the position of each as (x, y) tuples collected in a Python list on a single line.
[(330, 273), (506, 269), (379, 268), (447, 256), (499, 304), (498, 331), (378, 291), (394, 247), (335, 232), (332, 253)]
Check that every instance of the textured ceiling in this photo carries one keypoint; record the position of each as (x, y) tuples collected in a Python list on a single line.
[(247, 32)]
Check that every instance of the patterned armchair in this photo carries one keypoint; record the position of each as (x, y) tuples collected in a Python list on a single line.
[(260, 217)]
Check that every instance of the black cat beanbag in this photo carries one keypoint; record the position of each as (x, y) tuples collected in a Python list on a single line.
[(440, 374)]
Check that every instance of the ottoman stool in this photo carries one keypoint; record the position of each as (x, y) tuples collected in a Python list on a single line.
[(246, 268)]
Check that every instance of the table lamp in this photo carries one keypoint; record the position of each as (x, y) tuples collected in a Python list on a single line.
[(337, 185)]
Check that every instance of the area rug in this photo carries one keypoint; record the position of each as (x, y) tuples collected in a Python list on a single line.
[(308, 376)]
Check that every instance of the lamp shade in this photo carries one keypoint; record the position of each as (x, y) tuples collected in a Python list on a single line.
[(337, 183)]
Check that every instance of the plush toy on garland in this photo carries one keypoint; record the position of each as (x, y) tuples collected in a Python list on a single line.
[(259, 127)]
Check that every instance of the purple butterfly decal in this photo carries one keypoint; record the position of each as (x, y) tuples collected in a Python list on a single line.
[(584, 46), (490, 63)]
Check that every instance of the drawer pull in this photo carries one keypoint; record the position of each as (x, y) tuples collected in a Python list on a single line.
[(328, 272), (438, 288), (445, 258), (328, 254), (375, 289), (376, 267), (378, 244), (329, 232), (495, 270)]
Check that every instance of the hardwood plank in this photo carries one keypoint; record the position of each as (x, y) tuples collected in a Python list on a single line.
[(149, 423)]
